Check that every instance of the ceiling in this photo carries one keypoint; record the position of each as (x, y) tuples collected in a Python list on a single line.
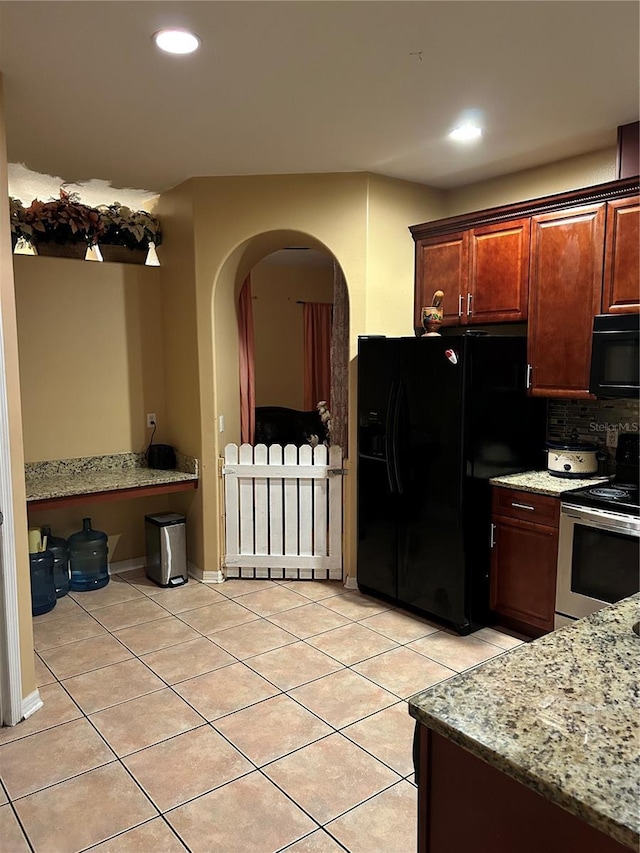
[(313, 86)]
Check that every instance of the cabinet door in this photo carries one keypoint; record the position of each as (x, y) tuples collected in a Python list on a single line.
[(621, 292), (442, 263), (523, 571), (567, 249), (499, 278)]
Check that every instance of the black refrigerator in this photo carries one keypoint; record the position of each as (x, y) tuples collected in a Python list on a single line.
[(437, 417)]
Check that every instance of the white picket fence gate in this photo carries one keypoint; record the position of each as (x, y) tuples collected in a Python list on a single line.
[(283, 511)]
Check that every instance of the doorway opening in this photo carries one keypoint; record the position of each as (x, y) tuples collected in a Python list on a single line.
[(283, 485)]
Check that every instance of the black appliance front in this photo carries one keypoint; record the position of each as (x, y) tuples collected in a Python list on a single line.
[(437, 418), (615, 356), (378, 382), (594, 548)]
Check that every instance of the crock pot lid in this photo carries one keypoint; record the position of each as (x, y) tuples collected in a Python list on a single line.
[(575, 446)]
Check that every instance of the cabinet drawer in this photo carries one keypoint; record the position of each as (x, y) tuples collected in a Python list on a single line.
[(527, 506)]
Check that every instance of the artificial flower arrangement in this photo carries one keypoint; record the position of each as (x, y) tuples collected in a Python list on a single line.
[(67, 227), (63, 221), (122, 226)]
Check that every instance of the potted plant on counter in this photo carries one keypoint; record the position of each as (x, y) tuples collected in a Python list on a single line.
[(63, 227), (126, 234), (20, 228)]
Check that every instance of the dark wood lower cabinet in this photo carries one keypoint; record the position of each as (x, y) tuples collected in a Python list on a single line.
[(464, 804), (523, 573)]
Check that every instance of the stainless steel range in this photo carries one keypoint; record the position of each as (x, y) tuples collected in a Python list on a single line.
[(599, 545)]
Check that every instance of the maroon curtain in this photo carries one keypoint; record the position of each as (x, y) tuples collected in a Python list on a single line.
[(317, 353), (247, 370)]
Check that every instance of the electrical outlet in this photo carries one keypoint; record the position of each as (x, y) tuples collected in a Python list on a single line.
[(221, 423), (612, 437), (151, 420)]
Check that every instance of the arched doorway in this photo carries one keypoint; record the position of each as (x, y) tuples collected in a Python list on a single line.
[(297, 266)]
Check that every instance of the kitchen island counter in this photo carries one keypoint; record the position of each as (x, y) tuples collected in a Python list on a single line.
[(543, 483), (558, 715)]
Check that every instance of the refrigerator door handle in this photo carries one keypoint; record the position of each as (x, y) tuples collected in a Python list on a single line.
[(394, 438), (390, 452)]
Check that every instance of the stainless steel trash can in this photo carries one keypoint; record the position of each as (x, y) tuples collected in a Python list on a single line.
[(166, 543)]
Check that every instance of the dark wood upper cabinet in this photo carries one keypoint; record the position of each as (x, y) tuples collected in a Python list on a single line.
[(621, 290), (499, 276), (628, 161), (567, 252), (545, 261), (442, 263)]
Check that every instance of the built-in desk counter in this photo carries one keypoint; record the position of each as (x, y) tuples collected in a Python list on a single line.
[(66, 482)]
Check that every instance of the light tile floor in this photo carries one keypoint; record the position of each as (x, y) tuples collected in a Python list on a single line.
[(249, 717)]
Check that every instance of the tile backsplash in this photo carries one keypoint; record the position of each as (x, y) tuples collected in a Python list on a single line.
[(594, 420)]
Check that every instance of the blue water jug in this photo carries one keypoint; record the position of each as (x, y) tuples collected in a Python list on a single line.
[(43, 590), (60, 550), (88, 558)]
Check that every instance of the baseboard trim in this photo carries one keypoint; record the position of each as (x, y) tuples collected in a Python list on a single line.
[(121, 566), (350, 582), (204, 575), (31, 704)]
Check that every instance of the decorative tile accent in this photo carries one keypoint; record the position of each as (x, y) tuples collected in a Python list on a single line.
[(592, 419)]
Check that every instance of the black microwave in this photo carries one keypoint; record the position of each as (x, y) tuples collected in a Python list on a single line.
[(615, 356)]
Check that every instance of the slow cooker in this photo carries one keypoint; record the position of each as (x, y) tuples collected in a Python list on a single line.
[(572, 458)]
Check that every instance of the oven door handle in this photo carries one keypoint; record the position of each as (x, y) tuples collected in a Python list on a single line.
[(603, 520)]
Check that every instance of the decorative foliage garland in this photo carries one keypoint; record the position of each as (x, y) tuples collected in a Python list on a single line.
[(66, 220)]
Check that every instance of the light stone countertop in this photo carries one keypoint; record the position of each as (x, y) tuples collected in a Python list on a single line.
[(543, 483), (560, 715), (94, 474)]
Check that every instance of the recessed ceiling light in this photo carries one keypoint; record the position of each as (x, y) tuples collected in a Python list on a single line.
[(176, 41), (466, 132)]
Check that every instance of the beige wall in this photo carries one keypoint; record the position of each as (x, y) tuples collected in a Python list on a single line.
[(91, 363), (276, 289), (597, 167), (180, 357), (393, 207), (10, 342)]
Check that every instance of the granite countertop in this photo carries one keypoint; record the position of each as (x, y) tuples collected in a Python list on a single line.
[(93, 474), (543, 483), (560, 715)]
